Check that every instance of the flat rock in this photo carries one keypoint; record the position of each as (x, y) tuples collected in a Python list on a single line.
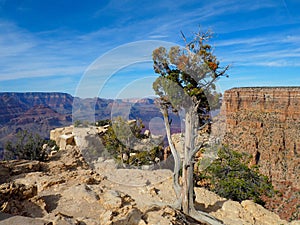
[(6, 219)]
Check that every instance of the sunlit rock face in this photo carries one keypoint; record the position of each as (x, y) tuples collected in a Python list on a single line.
[(265, 122)]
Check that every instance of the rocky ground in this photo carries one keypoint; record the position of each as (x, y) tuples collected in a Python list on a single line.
[(65, 190)]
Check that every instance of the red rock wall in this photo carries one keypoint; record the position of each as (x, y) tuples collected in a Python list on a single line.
[(265, 122)]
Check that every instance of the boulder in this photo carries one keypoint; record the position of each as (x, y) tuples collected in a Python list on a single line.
[(63, 136), (10, 220)]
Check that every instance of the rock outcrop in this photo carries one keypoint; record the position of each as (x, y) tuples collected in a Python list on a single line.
[(265, 122), (63, 136), (65, 190)]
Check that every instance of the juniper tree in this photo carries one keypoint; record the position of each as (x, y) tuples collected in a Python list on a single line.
[(187, 84)]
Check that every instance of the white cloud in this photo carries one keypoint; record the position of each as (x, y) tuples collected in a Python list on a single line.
[(241, 41), (158, 36), (13, 40), (66, 52), (25, 55)]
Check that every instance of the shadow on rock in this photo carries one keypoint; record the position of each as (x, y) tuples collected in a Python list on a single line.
[(210, 208), (51, 202)]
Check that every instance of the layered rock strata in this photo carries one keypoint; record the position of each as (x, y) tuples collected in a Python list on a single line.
[(265, 122)]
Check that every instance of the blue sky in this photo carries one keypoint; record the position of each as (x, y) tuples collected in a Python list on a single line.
[(103, 48)]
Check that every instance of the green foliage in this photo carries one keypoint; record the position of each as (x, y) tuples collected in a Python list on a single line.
[(51, 144), (112, 143), (144, 157), (102, 123), (77, 123), (120, 138), (28, 146), (230, 176), (187, 75), (187, 84), (295, 214)]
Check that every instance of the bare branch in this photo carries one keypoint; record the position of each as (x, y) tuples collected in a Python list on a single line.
[(182, 34), (204, 125), (177, 188), (195, 150), (205, 217)]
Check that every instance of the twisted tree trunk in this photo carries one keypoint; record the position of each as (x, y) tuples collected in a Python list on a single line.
[(191, 125), (185, 192), (175, 154)]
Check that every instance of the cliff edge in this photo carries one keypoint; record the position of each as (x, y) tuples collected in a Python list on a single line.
[(265, 122)]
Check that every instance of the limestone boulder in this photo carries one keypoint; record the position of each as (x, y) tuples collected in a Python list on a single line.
[(63, 136)]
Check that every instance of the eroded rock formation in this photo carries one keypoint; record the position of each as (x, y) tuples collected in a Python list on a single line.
[(265, 122)]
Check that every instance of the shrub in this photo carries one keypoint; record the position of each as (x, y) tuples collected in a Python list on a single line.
[(77, 123), (230, 176), (145, 157), (120, 138), (101, 123), (27, 146)]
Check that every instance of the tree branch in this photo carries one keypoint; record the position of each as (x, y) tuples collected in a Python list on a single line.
[(204, 125), (205, 217), (195, 150), (175, 154)]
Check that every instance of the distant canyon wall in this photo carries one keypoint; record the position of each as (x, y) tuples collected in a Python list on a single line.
[(265, 122)]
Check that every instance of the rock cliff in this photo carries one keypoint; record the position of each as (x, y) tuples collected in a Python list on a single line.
[(16, 104), (265, 122)]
